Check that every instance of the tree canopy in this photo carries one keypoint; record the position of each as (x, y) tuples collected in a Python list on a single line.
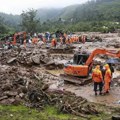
[(29, 22)]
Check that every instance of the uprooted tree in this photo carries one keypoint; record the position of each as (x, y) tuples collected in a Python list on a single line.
[(29, 20)]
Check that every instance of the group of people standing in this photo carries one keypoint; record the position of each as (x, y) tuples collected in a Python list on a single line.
[(102, 78)]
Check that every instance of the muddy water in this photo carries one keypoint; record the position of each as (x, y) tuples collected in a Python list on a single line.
[(87, 92), (111, 99)]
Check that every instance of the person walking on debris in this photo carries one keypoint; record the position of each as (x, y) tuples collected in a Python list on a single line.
[(97, 79), (112, 71), (107, 78), (53, 42), (111, 68)]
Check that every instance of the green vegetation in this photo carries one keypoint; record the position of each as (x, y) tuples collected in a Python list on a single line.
[(49, 113), (24, 113), (95, 15), (29, 22)]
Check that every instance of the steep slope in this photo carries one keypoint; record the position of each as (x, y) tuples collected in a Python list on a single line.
[(11, 20), (68, 12), (99, 10), (45, 14)]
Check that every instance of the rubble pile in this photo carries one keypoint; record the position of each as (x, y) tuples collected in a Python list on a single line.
[(62, 49), (66, 102), (24, 85), (116, 81), (24, 78), (113, 43), (14, 83), (117, 67), (28, 57)]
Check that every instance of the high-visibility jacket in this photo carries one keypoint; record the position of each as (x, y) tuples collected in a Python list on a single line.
[(61, 40), (67, 41), (77, 39), (70, 40), (53, 42), (97, 75), (107, 78)]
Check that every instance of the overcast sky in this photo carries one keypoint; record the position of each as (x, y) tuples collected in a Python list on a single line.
[(17, 6)]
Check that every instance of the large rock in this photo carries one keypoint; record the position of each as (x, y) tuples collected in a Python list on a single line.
[(10, 93), (12, 60), (54, 65), (36, 59)]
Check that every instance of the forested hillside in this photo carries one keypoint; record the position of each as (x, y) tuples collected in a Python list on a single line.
[(91, 16)]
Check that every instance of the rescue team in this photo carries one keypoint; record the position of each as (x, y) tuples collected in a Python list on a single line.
[(63, 40), (102, 78)]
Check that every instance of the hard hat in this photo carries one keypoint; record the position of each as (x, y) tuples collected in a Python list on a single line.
[(106, 66)]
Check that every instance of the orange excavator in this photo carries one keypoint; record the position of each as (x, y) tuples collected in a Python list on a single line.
[(78, 70)]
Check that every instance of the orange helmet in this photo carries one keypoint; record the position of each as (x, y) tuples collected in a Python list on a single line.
[(106, 66)]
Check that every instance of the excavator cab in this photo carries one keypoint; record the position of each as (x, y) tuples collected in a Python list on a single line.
[(80, 59), (77, 67)]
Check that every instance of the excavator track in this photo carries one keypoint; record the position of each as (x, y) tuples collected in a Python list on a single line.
[(75, 80)]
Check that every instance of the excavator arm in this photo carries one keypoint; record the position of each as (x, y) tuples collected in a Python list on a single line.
[(79, 73), (112, 53)]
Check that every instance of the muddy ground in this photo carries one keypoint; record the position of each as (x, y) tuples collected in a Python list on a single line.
[(31, 76)]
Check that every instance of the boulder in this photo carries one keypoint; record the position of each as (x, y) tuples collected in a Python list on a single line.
[(12, 60), (36, 59)]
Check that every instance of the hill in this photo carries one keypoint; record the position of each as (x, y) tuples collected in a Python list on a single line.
[(45, 14), (92, 11)]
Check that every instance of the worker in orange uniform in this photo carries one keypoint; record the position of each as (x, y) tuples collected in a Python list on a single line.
[(35, 40), (107, 78), (53, 42), (24, 42), (83, 39), (61, 40), (71, 40), (67, 41), (97, 79)]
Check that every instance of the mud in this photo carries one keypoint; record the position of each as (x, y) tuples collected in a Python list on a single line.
[(33, 71)]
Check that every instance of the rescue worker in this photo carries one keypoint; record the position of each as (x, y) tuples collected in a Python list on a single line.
[(53, 43), (112, 71), (97, 79), (24, 42), (61, 40), (107, 78), (44, 40), (83, 39)]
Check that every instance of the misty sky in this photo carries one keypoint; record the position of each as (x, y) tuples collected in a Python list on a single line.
[(17, 6)]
